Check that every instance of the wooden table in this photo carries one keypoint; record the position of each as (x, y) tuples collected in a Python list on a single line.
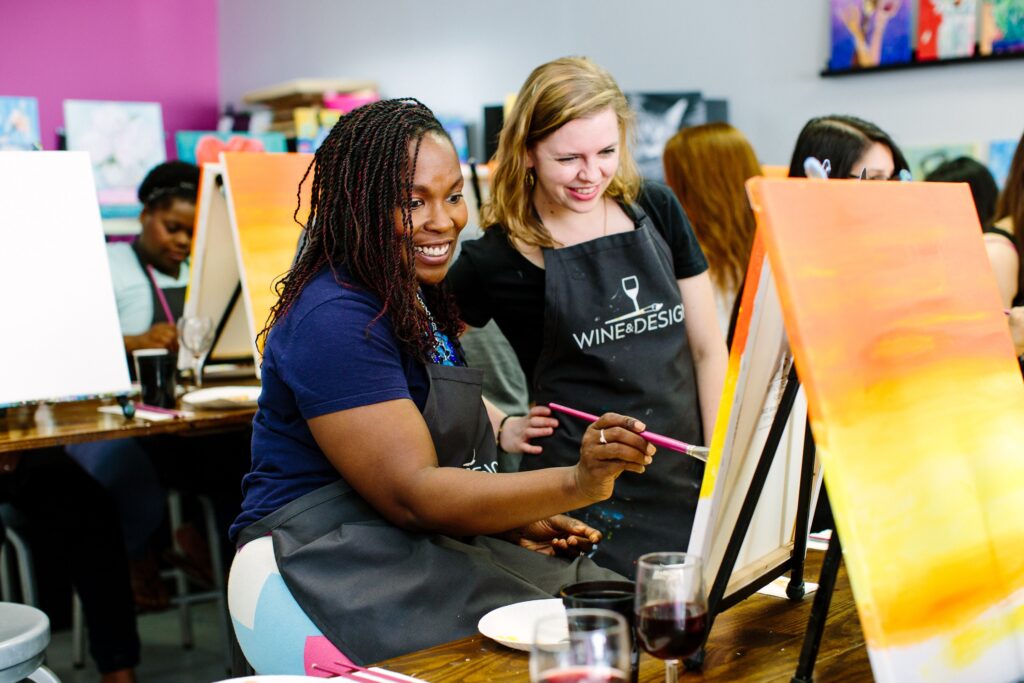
[(758, 640), (44, 425)]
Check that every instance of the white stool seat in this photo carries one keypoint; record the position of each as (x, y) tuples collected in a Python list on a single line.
[(24, 635)]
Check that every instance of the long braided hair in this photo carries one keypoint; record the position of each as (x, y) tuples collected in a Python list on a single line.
[(362, 178)]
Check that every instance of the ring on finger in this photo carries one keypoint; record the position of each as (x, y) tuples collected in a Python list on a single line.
[(603, 440)]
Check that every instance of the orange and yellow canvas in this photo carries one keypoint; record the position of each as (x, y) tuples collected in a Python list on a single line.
[(262, 192), (917, 409)]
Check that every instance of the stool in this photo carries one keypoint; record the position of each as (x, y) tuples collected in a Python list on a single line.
[(184, 598), (24, 635)]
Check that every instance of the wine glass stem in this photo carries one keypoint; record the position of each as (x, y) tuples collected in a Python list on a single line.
[(671, 671), (197, 370)]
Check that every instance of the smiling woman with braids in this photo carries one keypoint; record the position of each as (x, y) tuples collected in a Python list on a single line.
[(373, 491)]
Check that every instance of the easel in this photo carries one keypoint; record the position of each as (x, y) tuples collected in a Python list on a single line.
[(219, 331), (717, 600), (819, 611)]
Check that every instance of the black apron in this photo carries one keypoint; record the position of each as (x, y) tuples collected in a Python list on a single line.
[(377, 591), (175, 297), (615, 340)]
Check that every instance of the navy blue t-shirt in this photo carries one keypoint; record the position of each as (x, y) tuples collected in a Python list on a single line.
[(318, 359)]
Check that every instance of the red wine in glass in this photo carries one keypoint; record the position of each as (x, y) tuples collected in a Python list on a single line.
[(584, 674), (671, 630)]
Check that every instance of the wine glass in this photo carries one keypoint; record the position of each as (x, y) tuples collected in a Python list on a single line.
[(583, 646), (195, 335), (671, 607), (631, 286)]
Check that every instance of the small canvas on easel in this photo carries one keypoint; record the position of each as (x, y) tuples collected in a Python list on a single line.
[(246, 236), (214, 276), (759, 364), (55, 278), (917, 410)]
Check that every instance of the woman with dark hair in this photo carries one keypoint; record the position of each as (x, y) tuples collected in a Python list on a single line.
[(983, 186), (154, 268), (1004, 239), (853, 147), (373, 489)]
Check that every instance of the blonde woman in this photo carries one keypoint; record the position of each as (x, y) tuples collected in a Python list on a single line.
[(599, 284), (707, 166)]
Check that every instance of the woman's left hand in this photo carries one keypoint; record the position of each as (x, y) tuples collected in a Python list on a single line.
[(558, 535), (518, 431)]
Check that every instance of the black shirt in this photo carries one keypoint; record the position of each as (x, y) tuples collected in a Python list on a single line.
[(493, 280)]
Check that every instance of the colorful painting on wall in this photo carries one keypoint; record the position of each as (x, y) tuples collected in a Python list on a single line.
[(917, 410), (19, 124), (870, 33), (1000, 156), (124, 140), (925, 159), (204, 147), (1002, 27), (946, 29)]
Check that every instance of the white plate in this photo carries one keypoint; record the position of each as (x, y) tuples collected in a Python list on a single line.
[(512, 625), (221, 398)]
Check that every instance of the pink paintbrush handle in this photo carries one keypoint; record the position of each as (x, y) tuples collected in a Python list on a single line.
[(158, 409), (699, 452)]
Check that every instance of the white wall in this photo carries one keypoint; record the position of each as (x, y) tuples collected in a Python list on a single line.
[(762, 55)]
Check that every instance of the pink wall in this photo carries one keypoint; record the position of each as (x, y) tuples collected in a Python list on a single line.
[(134, 50)]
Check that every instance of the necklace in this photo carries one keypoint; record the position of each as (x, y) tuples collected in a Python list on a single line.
[(444, 352)]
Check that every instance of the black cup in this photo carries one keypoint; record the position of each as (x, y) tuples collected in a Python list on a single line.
[(155, 370), (617, 596)]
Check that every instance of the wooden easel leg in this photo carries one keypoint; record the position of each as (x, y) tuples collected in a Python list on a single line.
[(796, 590), (819, 611)]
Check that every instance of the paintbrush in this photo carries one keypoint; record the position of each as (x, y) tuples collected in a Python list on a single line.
[(699, 452)]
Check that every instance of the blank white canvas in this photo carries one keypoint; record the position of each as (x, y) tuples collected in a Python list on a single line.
[(60, 337)]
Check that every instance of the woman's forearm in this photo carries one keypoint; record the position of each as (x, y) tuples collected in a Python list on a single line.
[(711, 368), (460, 502)]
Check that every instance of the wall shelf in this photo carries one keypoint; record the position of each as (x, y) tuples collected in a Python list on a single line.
[(975, 59)]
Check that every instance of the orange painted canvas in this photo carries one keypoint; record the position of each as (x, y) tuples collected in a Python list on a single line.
[(262, 194), (917, 409)]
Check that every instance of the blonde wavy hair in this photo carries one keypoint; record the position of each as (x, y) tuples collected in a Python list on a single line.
[(555, 94), (707, 166)]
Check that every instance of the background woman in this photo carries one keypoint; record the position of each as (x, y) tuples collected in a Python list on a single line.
[(597, 281), (854, 148), (373, 461), (1003, 239), (707, 166)]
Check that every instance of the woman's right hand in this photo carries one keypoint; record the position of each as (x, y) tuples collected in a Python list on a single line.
[(159, 336), (611, 446)]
